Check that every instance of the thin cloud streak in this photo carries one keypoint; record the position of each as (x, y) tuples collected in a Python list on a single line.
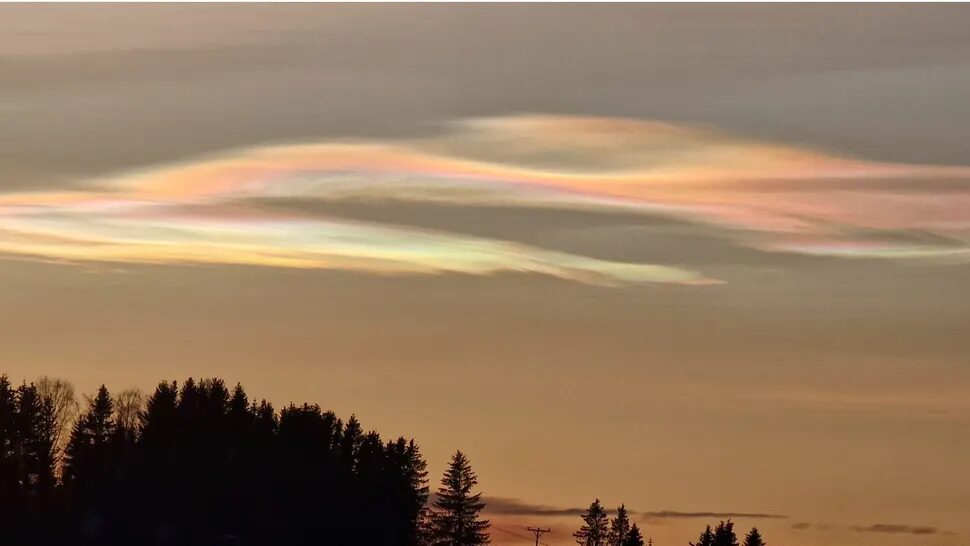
[(880, 528), (507, 506), (898, 529)]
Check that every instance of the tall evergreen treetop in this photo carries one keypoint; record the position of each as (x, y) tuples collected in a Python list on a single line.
[(456, 520), (101, 417), (619, 527), (32, 422), (753, 538), (594, 531), (705, 539), (724, 534), (633, 537)]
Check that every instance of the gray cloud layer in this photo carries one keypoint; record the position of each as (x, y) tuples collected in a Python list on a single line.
[(887, 528), (517, 507), (886, 82)]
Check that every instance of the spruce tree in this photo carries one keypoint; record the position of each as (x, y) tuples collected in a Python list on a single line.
[(407, 489), (9, 440), (753, 538), (724, 534), (32, 422), (353, 436), (456, 520), (633, 537), (159, 422), (619, 527), (594, 531), (415, 473), (705, 539), (88, 452), (13, 508)]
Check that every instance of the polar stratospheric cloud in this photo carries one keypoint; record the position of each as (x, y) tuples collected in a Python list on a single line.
[(710, 261), (766, 196)]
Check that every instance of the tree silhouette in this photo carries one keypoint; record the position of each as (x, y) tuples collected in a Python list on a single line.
[(128, 406), (407, 474), (90, 464), (456, 520), (633, 537), (200, 465), (87, 455), (9, 440), (619, 527), (58, 396), (753, 538), (594, 530), (724, 534), (34, 423), (705, 539)]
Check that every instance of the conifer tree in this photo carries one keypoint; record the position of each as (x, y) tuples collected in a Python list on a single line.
[(12, 506), (8, 442), (633, 537), (619, 527), (753, 538), (88, 453), (456, 520), (407, 489), (705, 539), (158, 421), (239, 412), (594, 531), (353, 436), (32, 423), (414, 470), (724, 534)]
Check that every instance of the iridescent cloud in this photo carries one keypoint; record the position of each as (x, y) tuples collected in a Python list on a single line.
[(769, 196)]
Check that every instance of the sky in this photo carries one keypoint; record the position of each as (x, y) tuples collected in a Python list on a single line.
[(708, 261)]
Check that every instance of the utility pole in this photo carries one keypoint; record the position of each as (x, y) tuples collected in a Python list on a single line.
[(538, 532)]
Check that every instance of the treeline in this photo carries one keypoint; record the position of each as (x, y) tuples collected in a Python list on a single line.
[(598, 529), (200, 464)]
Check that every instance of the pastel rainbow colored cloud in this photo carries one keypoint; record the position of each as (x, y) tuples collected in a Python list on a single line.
[(773, 197)]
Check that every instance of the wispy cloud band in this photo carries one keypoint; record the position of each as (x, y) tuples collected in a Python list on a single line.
[(516, 507), (768, 196)]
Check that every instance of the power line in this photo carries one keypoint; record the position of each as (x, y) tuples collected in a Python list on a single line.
[(538, 532), (516, 535)]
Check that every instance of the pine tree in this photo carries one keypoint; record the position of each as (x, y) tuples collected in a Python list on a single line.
[(239, 414), (456, 520), (407, 489), (353, 436), (705, 539), (415, 473), (32, 422), (633, 537), (9, 439), (88, 452), (101, 417), (159, 421), (13, 509), (724, 534), (594, 530), (619, 527), (753, 538)]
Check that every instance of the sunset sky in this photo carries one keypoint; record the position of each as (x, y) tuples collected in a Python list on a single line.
[(707, 260)]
